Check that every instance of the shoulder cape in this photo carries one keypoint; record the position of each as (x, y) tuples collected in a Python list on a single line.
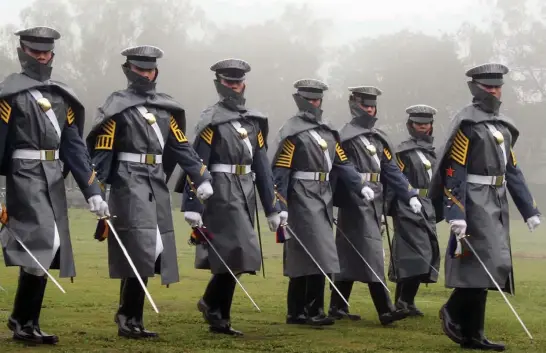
[(470, 114), (352, 129), (17, 83)]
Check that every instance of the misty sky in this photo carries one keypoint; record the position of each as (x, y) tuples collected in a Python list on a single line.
[(352, 18)]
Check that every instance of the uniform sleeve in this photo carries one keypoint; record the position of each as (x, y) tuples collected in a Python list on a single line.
[(282, 170), (103, 152), (264, 178), (346, 171), (517, 186), (392, 176), (74, 154), (456, 175), (186, 156), (202, 148), (5, 115)]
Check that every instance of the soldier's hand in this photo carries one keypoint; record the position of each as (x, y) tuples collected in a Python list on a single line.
[(284, 217), (193, 218), (274, 221), (368, 193), (533, 222), (204, 191), (415, 204), (458, 226), (98, 206)]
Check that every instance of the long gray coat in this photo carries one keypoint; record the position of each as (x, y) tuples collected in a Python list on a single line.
[(415, 243), (35, 191), (484, 207), (139, 196)]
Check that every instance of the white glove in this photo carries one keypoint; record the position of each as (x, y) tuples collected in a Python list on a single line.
[(284, 217), (204, 191), (415, 204), (98, 206), (458, 226), (368, 193), (274, 221), (533, 222), (193, 218)]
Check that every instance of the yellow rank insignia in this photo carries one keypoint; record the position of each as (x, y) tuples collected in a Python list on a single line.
[(285, 157)]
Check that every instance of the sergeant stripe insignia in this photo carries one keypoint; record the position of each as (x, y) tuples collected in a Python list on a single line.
[(106, 140), (387, 153), (401, 164), (260, 139), (70, 116), (202, 171), (341, 153), (207, 135), (92, 178), (514, 161), (459, 148), (5, 111), (286, 155), (180, 137), (453, 199)]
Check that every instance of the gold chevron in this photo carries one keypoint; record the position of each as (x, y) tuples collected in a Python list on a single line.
[(401, 164), (459, 148), (180, 137), (106, 140), (341, 153), (387, 153), (70, 116), (260, 139), (5, 111), (286, 155), (207, 135), (514, 161)]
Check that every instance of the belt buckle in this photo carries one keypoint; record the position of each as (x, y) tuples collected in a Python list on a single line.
[(321, 176), (374, 177), (49, 155), (149, 158), (499, 180), (240, 169), (423, 192)]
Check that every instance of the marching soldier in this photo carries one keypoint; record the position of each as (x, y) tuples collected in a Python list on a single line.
[(40, 129), (369, 149), (416, 253), (135, 144), (308, 151), (232, 141), (477, 167)]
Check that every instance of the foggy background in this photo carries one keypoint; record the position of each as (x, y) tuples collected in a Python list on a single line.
[(415, 52)]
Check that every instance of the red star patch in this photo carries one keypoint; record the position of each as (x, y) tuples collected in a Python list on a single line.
[(450, 171)]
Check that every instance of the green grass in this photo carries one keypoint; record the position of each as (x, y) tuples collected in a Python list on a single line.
[(83, 317)]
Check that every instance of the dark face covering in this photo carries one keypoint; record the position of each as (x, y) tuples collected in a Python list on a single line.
[(423, 139), (484, 100), (360, 116), (33, 68), (138, 83), (309, 110), (229, 98)]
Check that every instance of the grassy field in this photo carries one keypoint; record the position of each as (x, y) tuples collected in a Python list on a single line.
[(83, 317)]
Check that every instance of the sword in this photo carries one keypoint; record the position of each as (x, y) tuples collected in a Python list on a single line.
[(132, 265), (315, 261), (259, 229), (2, 289), (496, 285), (39, 264), (221, 259), (360, 255)]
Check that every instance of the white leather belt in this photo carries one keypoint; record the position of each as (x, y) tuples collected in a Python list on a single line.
[(231, 168), (373, 177), (318, 176), (486, 179), (140, 158), (42, 155)]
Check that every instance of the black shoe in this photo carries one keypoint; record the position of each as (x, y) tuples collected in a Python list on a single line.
[(24, 333), (225, 328), (212, 318), (296, 320), (450, 328), (482, 344), (411, 308), (339, 314), (127, 328), (396, 315), (320, 320)]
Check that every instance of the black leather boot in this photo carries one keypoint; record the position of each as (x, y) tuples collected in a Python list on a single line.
[(338, 309), (475, 338), (37, 309), (314, 298), (295, 300), (387, 312), (406, 299), (209, 304), (450, 316), (139, 311), (21, 321), (228, 289), (128, 309)]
